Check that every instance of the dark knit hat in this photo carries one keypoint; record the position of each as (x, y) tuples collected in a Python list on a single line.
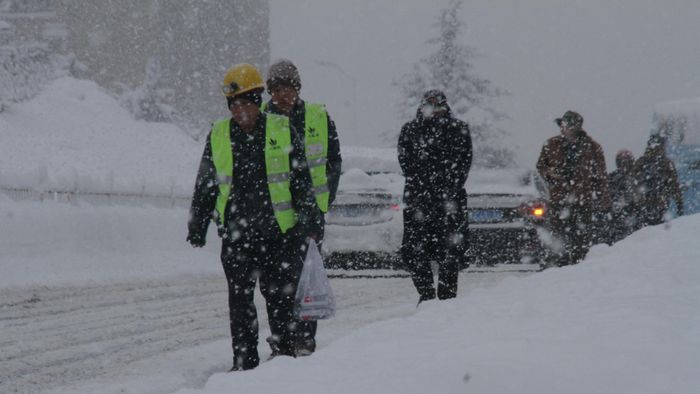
[(254, 96), (283, 72)]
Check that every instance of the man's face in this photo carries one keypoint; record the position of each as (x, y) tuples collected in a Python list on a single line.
[(433, 108), (244, 112), (284, 97), (567, 130)]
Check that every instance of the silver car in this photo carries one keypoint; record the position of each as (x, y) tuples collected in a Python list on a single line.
[(508, 217), (364, 224), (507, 211)]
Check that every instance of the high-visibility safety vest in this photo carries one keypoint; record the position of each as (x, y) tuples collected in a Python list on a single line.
[(316, 149), (278, 145)]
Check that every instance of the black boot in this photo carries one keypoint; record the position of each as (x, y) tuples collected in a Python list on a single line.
[(280, 348), (305, 339), (305, 347), (245, 360)]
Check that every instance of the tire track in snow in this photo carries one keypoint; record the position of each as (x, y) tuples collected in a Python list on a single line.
[(51, 337)]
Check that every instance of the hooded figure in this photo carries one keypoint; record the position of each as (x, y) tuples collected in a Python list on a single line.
[(435, 153), (573, 166), (657, 183)]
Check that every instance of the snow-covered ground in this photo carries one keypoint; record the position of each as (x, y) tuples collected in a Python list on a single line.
[(110, 299)]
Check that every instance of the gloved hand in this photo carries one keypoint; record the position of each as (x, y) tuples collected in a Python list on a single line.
[(196, 240)]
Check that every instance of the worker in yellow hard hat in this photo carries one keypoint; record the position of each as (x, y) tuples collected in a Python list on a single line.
[(253, 181)]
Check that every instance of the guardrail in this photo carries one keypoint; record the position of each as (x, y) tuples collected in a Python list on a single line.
[(96, 198)]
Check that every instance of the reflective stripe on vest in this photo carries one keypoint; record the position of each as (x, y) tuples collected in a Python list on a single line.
[(316, 148), (278, 144)]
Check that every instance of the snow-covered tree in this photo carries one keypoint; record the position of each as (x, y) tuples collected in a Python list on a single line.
[(149, 101), (28, 61), (450, 69)]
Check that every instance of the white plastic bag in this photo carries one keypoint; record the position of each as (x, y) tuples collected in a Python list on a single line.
[(314, 299)]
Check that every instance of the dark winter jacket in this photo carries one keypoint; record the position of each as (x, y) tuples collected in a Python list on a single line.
[(333, 165), (657, 183), (623, 191), (435, 156), (249, 204), (575, 173), (625, 210)]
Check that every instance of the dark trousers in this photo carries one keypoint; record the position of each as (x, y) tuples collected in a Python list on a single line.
[(275, 260), (573, 227), (624, 223), (436, 238), (651, 215)]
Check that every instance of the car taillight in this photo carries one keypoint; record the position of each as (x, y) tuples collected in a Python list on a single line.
[(536, 210)]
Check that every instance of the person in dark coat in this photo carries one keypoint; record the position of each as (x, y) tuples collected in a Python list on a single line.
[(254, 182), (657, 183), (284, 85), (573, 166), (624, 197), (435, 154)]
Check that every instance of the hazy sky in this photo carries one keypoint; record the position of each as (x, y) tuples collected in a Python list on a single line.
[(609, 60)]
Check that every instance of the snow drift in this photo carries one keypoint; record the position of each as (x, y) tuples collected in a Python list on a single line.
[(74, 136), (624, 320)]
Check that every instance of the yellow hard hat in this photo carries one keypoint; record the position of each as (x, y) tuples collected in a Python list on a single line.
[(241, 78)]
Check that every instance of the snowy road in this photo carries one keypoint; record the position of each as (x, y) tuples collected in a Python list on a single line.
[(54, 338)]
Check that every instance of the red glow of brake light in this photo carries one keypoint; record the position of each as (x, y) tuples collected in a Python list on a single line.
[(395, 207)]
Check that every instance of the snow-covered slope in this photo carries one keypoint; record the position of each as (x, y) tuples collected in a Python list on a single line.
[(74, 136)]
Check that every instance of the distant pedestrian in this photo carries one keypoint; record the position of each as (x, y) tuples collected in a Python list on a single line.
[(314, 127), (657, 183), (573, 166), (624, 197), (435, 153)]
